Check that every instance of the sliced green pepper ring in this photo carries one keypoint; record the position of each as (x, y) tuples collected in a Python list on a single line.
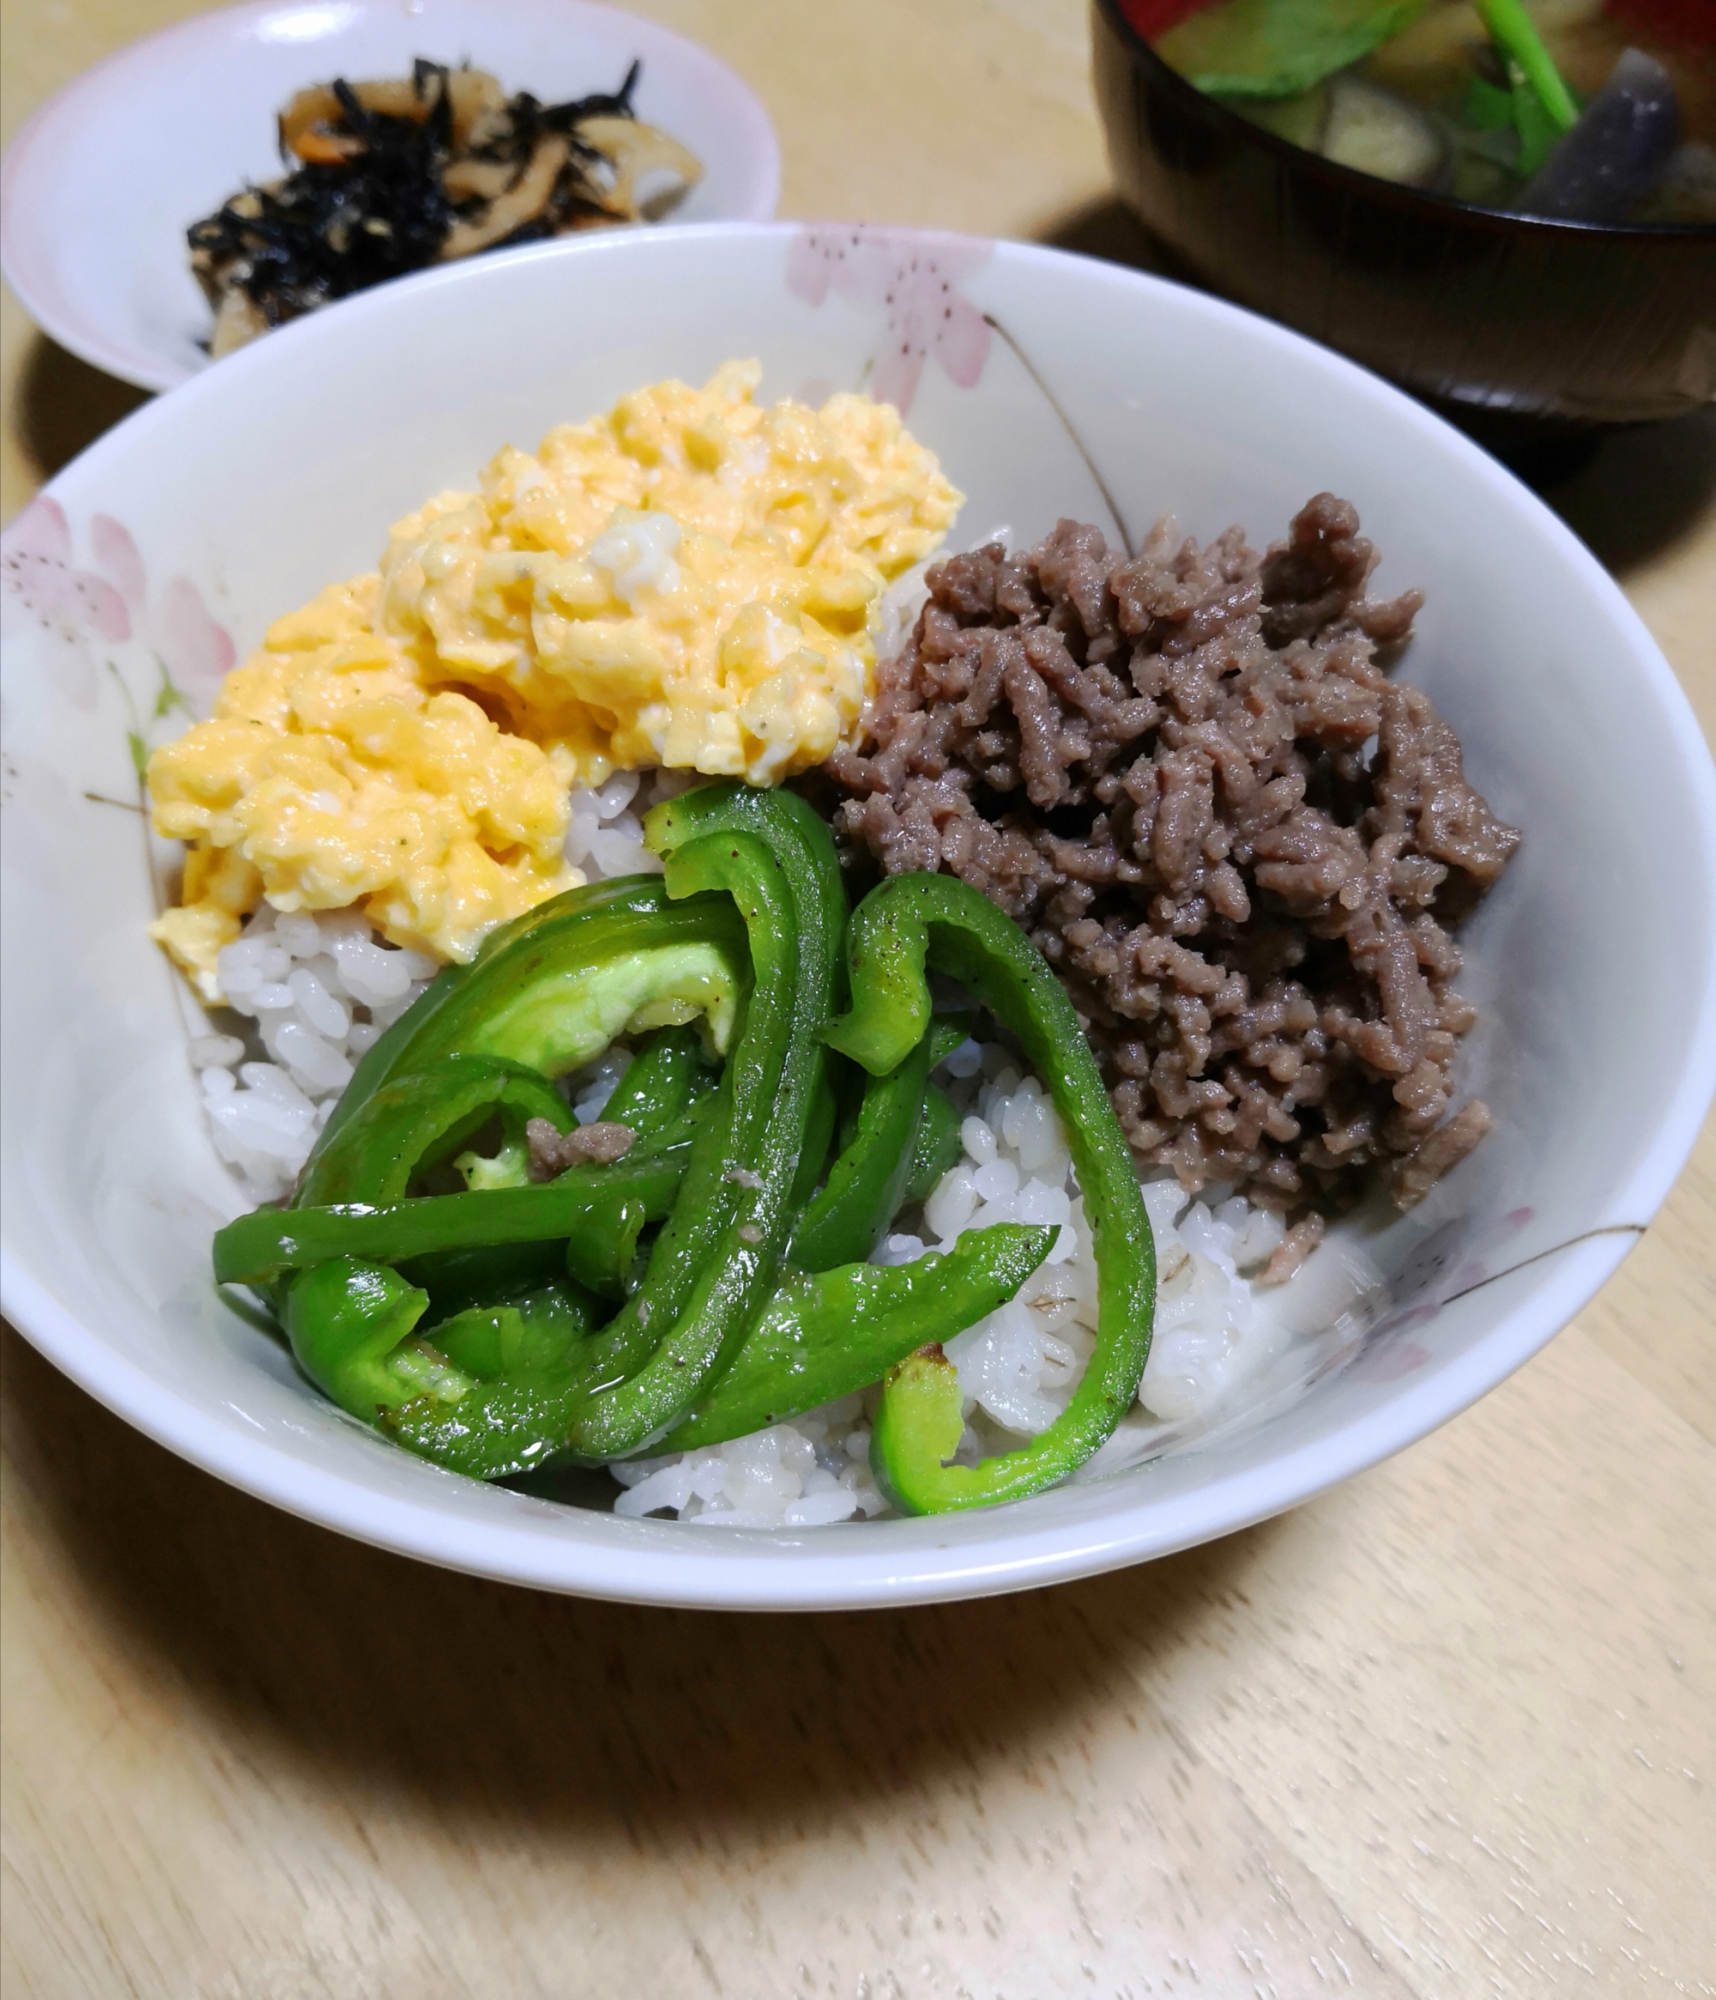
[(345, 1320), (881, 1162), (554, 989), (667, 1075), (867, 1178), (256, 1248), (421, 1119), (769, 861), (911, 922), (835, 1332)]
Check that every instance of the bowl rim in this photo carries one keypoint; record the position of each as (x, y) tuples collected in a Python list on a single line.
[(756, 1570), (29, 273), (770, 1570), (1503, 221)]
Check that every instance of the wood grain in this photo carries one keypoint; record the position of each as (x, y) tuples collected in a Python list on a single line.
[(1449, 1731)]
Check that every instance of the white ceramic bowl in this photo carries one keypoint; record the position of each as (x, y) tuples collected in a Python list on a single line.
[(1045, 382), (98, 191)]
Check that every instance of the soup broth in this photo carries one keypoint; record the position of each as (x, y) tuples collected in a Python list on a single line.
[(1584, 110)]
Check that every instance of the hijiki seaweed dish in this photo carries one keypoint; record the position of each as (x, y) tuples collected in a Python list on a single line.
[(391, 176), (700, 988)]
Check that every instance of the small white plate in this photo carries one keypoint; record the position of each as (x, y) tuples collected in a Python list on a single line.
[(98, 191)]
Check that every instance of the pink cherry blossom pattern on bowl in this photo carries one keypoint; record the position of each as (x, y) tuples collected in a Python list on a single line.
[(76, 605), (108, 604), (912, 278)]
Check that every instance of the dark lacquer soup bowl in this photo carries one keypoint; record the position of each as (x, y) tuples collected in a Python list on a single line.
[(1496, 316)]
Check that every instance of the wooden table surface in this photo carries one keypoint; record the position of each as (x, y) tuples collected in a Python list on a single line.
[(1449, 1731)]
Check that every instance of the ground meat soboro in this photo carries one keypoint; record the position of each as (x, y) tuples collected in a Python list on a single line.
[(1239, 842)]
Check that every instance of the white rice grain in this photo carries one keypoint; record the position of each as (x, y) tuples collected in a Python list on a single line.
[(604, 836), (318, 990), (805, 1474)]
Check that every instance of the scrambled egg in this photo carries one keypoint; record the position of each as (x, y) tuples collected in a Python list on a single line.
[(688, 581)]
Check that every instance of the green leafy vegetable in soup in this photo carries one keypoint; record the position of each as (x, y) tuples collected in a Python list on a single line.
[(1280, 48)]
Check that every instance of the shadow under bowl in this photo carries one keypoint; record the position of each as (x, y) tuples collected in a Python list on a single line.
[(1507, 322)]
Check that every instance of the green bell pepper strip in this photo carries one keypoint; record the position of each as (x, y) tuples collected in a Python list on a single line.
[(938, 1145), (259, 1247), (838, 1331), (347, 1321), (867, 1181), (531, 1335), (660, 1083), (668, 1076), (947, 1033), (911, 921), (417, 1119), (774, 856), (382, 1059), (601, 1253), (487, 1275), (873, 1175), (818, 1138), (353, 1325), (553, 989), (713, 1264)]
